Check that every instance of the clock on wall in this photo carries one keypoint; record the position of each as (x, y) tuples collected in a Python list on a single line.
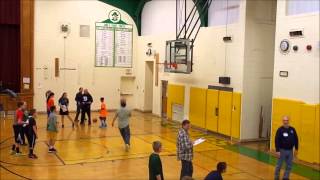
[(284, 46)]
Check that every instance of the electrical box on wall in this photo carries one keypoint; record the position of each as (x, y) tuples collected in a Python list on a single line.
[(224, 80)]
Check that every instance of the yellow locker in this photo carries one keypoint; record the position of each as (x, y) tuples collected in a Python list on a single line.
[(316, 136), (281, 107), (197, 110), (175, 96), (236, 115), (225, 107), (306, 135), (212, 110)]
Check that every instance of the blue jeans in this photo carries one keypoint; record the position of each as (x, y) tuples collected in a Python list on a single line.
[(125, 133), (287, 156)]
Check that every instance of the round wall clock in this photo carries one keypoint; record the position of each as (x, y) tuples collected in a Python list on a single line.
[(284, 46)]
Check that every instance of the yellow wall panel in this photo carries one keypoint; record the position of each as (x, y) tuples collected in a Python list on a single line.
[(212, 105), (197, 110), (236, 115), (175, 96), (225, 108), (316, 136), (306, 135), (281, 107)]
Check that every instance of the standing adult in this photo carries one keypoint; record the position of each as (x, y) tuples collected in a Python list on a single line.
[(185, 149), (64, 106), (123, 114), (286, 138), (78, 100), (86, 106)]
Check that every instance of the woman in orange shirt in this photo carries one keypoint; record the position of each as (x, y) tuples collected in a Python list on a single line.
[(103, 114), (50, 102)]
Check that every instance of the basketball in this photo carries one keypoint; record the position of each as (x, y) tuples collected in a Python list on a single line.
[(94, 120)]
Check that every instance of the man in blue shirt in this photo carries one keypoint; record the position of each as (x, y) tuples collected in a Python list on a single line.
[(286, 138)]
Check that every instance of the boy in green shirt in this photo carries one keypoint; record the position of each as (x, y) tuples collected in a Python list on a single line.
[(52, 129), (155, 165)]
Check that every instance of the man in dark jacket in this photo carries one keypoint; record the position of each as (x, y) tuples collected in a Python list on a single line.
[(286, 138), (78, 100), (86, 106)]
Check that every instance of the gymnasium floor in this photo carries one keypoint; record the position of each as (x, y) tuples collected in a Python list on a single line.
[(93, 153)]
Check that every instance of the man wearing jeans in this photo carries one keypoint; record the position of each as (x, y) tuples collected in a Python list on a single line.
[(123, 115), (185, 150), (286, 138)]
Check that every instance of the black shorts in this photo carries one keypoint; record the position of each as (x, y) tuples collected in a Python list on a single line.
[(17, 129), (103, 118), (63, 112)]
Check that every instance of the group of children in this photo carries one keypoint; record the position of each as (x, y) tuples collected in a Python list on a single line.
[(24, 123)]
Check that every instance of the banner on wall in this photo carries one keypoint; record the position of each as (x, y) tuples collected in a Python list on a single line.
[(113, 42)]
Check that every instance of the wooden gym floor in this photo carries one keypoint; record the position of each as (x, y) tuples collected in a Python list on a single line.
[(94, 153)]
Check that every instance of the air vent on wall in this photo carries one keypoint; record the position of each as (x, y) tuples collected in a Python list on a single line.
[(296, 33)]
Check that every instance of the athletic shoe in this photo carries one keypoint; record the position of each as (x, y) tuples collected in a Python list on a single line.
[(127, 147), (33, 156), (23, 144), (18, 153), (52, 150)]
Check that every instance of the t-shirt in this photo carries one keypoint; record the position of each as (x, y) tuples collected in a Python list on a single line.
[(32, 122), (52, 122), (18, 120), (64, 102), (123, 117), (103, 110), (50, 103), (214, 175), (155, 167)]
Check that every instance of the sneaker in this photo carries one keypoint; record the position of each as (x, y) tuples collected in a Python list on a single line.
[(18, 153), (23, 144), (33, 156), (127, 147), (52, 150)]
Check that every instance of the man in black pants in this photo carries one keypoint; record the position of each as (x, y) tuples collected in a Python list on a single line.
[(85, 106), (78, 100)]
